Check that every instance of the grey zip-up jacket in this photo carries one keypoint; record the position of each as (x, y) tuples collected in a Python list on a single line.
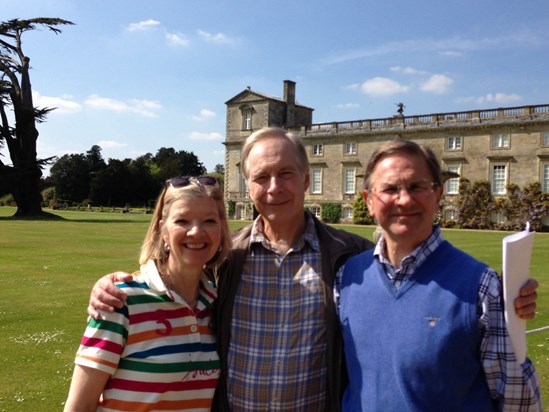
[(336, 246)]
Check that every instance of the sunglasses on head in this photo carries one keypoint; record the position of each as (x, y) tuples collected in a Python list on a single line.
[(182, 181)]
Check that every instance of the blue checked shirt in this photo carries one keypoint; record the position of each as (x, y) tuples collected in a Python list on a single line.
[(515, 386), (277, 355)]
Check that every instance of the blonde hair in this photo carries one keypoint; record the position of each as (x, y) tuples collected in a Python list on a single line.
[(153, 244)]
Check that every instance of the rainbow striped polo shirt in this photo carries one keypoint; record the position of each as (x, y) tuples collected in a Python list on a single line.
[(161, 354)]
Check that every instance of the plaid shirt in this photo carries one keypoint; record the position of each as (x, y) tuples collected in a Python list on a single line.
[(515, 386), (278, 329)]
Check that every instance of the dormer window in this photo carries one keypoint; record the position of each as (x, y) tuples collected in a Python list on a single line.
[(247, 119)]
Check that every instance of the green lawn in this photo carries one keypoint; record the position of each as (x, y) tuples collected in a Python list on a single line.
[(48, 267)]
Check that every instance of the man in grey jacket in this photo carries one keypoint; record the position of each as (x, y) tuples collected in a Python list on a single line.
[(278, 332)]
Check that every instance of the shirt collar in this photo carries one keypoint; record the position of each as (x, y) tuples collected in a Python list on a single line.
[(419, 254), (207, 291), (310, 235)]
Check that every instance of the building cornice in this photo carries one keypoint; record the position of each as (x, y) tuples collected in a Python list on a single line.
[(522, 116)]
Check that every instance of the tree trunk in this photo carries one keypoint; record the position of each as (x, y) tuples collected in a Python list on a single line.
[(26, 193), (24, 175)]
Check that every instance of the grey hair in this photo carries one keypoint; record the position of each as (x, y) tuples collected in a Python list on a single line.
[(273, 132)]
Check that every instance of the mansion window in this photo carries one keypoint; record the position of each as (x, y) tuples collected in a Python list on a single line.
[(497, 217), (545, 176), (347, 213), (450, 214), (247, 119), (350, 148), (349, 180), (316, 180), (453, 143), (318, 150), (244, 186), (241, 212), (500, 141), (499, 179), (545, 139), (452, 185), (315, 210)]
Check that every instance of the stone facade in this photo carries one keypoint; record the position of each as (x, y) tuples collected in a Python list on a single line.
[(501, 146)]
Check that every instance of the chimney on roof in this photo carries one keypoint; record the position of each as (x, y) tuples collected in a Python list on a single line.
[(289, 91), (289, 98)]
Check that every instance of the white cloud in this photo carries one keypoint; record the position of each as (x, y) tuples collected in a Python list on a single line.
[(457, 44), (144, 25), (382, 86), (111, 144), (354, 86), (173, 39), (451, 53), (491, 98), (106, 103), (406, 70), (177, 39), (205, 114), (347, 105), (437, 84), (215, 38), (144, 108), (204, 136), (63, 104), (501, 98), (140, 105)]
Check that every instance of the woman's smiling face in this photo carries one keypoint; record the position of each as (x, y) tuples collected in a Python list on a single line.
[(192, 230)]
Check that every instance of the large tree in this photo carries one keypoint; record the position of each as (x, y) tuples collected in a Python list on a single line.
[(173, 163), (71, 177), (22, 177)]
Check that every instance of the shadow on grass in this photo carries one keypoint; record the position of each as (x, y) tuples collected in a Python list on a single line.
[(41, 216), (46, 216)]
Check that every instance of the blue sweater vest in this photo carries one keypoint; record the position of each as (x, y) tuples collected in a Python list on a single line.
[(415, 348)]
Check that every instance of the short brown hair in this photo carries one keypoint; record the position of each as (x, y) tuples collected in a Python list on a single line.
[(406, 147)]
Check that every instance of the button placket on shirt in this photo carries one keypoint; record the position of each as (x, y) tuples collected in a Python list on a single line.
[(284, 285)]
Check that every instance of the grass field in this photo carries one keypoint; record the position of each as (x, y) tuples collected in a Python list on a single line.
[(48, 267)]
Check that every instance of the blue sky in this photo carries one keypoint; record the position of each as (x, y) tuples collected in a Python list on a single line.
[(135, 75)]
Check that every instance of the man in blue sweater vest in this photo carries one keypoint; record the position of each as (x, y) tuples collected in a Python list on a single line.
[(423, 322)]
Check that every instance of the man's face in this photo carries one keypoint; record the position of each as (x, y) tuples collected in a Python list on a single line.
[(277, 185), (403, 199)]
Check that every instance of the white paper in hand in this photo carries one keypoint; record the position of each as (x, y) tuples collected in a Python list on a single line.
[(517, 251)]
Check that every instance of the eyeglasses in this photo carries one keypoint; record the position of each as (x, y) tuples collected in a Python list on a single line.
[(182, 181), (415, 189)]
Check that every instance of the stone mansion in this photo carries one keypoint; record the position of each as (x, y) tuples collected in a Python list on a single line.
[(499, 145)]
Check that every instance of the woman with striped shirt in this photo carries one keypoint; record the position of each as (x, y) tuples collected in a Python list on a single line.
[(158, 352)]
